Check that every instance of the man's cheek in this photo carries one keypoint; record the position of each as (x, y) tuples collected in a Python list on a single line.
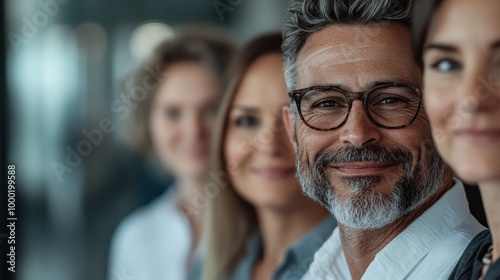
[(427, 150), (315, 141), (305, 157)]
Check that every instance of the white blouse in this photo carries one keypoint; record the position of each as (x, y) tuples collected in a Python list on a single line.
[(152, 243)]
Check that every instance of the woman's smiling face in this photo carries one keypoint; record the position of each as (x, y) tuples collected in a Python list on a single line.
[(462, 86), (259, 156), (182, 115)]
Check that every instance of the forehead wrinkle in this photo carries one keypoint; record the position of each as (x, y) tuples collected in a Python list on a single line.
[(337, 55), (326, 50), (352, 75), (357, 53)]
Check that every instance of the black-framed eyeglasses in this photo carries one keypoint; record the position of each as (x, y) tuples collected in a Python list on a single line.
[(392, 105)]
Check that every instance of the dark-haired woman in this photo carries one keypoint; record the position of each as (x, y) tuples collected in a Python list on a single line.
[(458, 45)]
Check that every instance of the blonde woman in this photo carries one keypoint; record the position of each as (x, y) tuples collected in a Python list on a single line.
[(260, 225), (173, 123)]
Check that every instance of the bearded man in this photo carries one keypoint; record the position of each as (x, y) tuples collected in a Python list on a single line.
[(364, 146)]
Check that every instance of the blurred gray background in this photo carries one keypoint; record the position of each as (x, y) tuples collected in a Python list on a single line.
[(64, 63)]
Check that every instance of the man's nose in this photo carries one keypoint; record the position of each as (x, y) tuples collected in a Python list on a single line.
[(359, 130)]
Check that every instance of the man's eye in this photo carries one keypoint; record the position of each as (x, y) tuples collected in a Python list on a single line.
[(391, 100), (446, 65), (326, 104), (246, 121)]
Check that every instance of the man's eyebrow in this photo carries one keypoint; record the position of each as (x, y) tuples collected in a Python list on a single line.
[(441, 47), (390, 81), (339, 86), (371, 84)]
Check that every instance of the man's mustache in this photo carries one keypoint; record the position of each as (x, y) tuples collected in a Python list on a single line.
[(368, 154)]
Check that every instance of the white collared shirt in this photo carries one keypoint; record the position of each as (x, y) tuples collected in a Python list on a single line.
[(152, 243), (429, 248)]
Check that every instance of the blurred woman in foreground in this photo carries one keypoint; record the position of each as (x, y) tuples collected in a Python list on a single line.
[(260, 225), (173, 123), (458, 44)]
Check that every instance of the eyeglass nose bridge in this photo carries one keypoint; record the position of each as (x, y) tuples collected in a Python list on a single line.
[(355, 96), (363, 97)]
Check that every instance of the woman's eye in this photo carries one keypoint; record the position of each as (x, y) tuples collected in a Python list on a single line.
[(495, 75), (210, 111), (496, 59), (246, 121), (172, 114), (446, 65)]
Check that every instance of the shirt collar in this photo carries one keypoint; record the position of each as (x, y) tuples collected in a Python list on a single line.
[(302, 250), (312, 241), (306, 246), (405, 251), (254, 246), (253, 251)]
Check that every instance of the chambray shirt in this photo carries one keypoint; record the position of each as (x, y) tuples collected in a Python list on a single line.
[(429, 248), (297, 258)]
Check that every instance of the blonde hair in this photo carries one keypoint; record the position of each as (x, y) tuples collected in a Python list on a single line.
[(190, 44), (230, 219)]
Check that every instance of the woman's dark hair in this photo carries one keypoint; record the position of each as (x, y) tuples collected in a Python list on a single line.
[(189, 44), (424, 11)]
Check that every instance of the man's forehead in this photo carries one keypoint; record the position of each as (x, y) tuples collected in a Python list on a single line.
[(358, 34), (381, 49)]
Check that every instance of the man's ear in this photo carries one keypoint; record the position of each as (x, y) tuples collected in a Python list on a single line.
[(290, 129)]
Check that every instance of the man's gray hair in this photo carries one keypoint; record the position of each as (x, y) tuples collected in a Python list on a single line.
[(305, 17)]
